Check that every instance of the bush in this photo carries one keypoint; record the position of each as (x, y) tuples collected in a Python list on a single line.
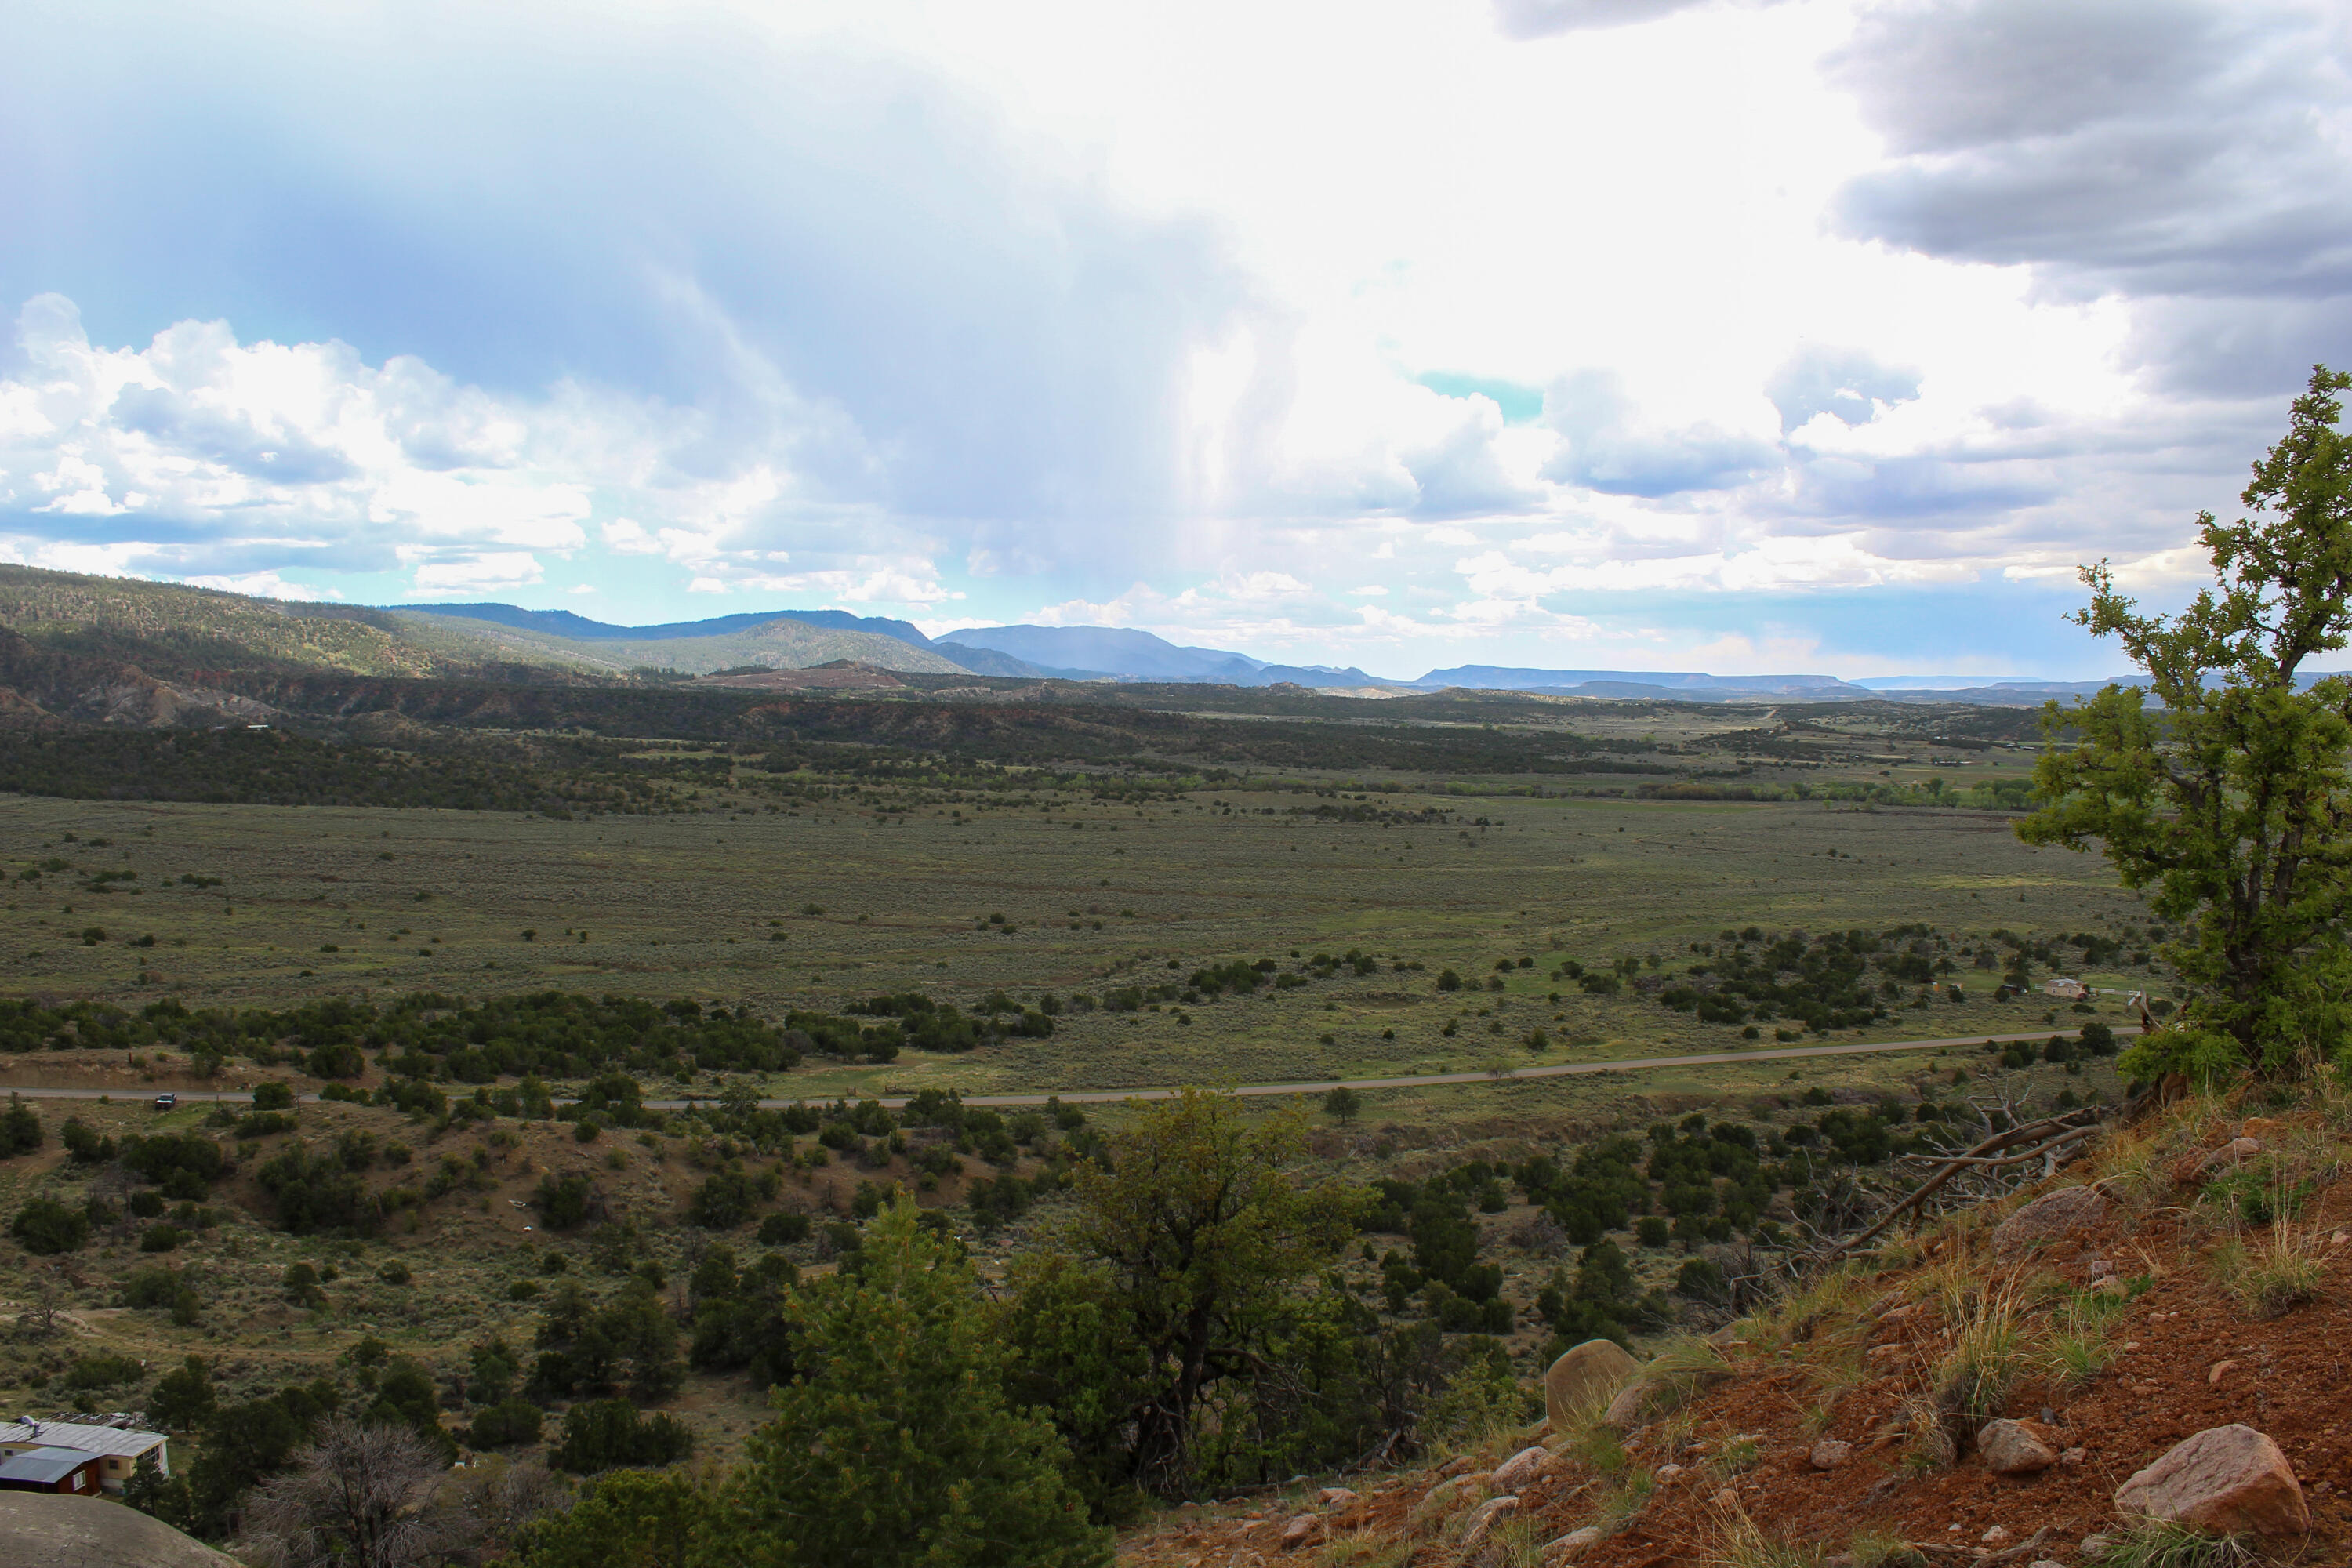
[(562, 1202), (783, 1229), (83, 1146), (159, 1238), (504, 1424), (101, 1369), (608, 1433), (181, 1399), (314, 1192), (273, 1095), (45, 1226), (724, 1200), (154, 1286), (20, 1130)]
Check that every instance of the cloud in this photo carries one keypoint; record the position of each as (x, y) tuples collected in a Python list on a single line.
[(1548, 18), (1607, 446), (486, 573), (1849, 384), (2182, 150), (263, 585)]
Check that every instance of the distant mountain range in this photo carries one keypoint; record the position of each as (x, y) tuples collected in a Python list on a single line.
[(163, 627), (1122, 653)]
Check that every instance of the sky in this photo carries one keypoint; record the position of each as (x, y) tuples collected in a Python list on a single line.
[(1827, 336)]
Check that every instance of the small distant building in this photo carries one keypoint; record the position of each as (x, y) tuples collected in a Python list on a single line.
[(2066, 990), (116, 1450), (70, 1470)]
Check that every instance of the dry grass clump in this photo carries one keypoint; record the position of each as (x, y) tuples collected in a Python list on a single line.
[(1972, 1377), (2280, 1269), (2162, 1544), (1743, 1543), (1365, 1551)]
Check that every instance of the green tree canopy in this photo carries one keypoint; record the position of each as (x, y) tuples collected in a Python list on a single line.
[(1206, 1238), (897, 1446), (2220, 785)]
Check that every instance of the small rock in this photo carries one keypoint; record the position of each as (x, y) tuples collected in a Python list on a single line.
[(2230, 1479), (1668, 1474), (2073, 1457), (1461, 1464), (1726, 1499), (1490, 1513), (2221, 1369), (1571, 1546), (2014, 1448), (1515, 1473), (2101, 1268), (2095, 1548), (2260, 1127), (1828, 1454), (1896, 1314), (2050, 1218), (1332, 1497), (2046, 1562), (1582, 1375), (1887, 1356), (1995, 1536), (1300, 1531)]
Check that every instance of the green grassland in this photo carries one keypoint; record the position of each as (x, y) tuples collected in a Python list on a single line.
[(827, 903)]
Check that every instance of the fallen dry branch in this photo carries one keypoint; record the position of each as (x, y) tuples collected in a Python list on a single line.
[(2046, 1135)]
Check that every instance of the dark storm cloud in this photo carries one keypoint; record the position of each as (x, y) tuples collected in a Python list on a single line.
[(2155, 149)]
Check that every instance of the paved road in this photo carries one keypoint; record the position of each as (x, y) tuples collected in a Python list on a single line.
[(1321, 1085)]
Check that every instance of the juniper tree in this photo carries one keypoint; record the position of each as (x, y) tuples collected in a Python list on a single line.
[(2219, 783)]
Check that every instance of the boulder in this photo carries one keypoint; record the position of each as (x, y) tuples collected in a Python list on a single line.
[(48, 1530), (1489, 1514), (1648, 1398), (1581, 1376), (2230, 1479), (1333, 1497), (1828, 1454), (1300, 1531), (1515, 1473), (2053, 1216), (1570, 1547), (2014, 1448)]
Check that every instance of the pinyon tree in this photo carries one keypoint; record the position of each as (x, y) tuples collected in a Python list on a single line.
[(2220, 782)]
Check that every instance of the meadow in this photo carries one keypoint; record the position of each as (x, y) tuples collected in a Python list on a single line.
[(1049, 893)]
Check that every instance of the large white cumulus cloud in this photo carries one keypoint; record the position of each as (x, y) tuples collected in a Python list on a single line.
[(202, 455)]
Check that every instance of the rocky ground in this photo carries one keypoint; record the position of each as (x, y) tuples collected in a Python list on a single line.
[(2162, 1331)]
